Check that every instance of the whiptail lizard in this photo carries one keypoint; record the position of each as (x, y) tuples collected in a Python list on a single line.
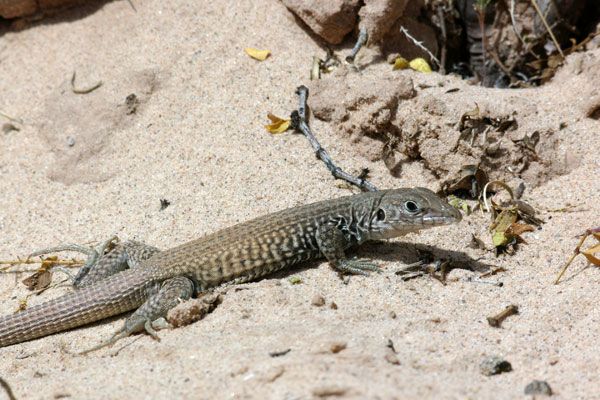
[(136, 276)]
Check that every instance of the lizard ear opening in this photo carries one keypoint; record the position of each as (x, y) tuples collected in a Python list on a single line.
[(380, 215)]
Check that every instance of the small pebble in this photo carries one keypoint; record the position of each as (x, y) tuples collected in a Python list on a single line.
[(318, 301), (494, 365), (330, 391), (391, 357), (7, 127), (538, 387), (337, 347), (132, 103)]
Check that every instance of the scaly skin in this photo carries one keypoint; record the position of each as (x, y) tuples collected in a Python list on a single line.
[(156, 281)]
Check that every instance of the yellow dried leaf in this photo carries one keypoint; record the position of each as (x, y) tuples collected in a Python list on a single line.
[(460, 204), (504, 220), (274, 118), (419, 64), (400, 63), (279, 125), (499, 239), (589, 254), (260, 55)]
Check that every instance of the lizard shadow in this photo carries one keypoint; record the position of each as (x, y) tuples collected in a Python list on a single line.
[(410, 253), (404, 252)]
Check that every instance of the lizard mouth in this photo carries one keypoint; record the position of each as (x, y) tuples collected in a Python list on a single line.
[(450, 215), (428, 220)]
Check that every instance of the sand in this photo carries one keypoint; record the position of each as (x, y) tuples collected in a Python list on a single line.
[(84, 167)]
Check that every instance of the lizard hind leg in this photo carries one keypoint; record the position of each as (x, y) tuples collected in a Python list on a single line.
[(171, 293), (92, 258), (124, 255), (100, 265)]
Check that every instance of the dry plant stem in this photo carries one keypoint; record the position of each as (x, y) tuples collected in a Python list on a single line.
[(575, 253), (444, 39), (56, 262), (514, 22), (10, 117), (504, 185), (496, 320), (481, 18), (83, 91), (419, 44), (497, 60), (537, 9), (132, 5), (299, 122), (363, 36)]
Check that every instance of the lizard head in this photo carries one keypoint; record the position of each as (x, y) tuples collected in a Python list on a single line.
[(401, 211)]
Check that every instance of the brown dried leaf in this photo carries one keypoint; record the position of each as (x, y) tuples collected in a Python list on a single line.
[(589, 253), (39, 280), (518, 227), (472, 179), (474, 113)]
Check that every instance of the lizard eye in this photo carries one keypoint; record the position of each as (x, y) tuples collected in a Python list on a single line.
[(411, 207), (380, 215)]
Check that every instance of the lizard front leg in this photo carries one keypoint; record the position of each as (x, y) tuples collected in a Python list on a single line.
[(332, 243)]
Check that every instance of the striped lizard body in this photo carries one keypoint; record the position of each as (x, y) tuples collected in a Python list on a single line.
[(136, 276)]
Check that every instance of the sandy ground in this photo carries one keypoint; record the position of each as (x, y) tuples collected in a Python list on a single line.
[(85, 167)]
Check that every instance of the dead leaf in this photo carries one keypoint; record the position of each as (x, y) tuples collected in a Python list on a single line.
[(42, 277), (472, 179), (315, 71), (279, 125), (419, 64), (518, 227), (260, 55), (39, 280), (500, 233), (459, 204), (589, 254), (400, 63)]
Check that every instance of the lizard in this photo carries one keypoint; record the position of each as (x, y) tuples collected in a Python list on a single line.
[(135, 276)]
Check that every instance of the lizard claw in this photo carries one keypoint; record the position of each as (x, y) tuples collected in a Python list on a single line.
[(130, 326)]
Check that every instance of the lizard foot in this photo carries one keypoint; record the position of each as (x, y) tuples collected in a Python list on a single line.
[(92, 258), (357, 266)]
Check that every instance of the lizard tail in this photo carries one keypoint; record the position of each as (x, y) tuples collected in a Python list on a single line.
[(114, 295)]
